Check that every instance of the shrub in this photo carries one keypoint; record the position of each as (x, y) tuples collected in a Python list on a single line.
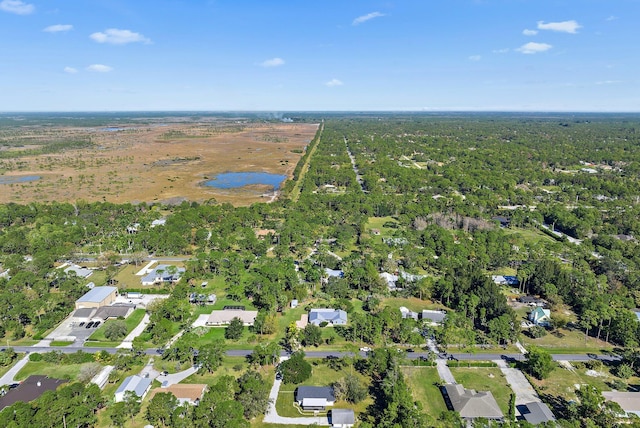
[(35, 357)]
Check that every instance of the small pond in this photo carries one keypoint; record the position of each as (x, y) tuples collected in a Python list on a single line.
[(18, 179), (231, 180)]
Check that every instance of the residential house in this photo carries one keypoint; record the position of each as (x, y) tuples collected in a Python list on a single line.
[(342, 418), (162, 274), (97, 297), (330, 316), (30, 389), (122, 310), (224, 317), (407, 313), (434, 317), (314, 397), (629, 401), (505, 280), (471, 404), (536, 412), (185, 393), (137, 384), (80, 272), (532, 301), (101, 378), (541, 317)]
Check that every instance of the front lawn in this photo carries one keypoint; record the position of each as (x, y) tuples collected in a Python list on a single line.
[(422, 381), (567, 341), (131, 322), (58, 371)]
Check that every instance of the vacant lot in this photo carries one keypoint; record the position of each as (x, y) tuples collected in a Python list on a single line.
[(168, 163)]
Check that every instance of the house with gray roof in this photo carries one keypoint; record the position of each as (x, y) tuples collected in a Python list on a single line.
[(536, 413), (433, 317), (342, 418), (471, 404), (330, 316), (628, 401), (314, 397), (79, 271), (97, 297), (137, 384)]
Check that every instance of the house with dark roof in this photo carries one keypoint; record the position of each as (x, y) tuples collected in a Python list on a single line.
[(471, 404), (114, 312), (342, 418), (330, 316), (314, 397), (32, 387), (536, 412), (97, 297), (136, 384)]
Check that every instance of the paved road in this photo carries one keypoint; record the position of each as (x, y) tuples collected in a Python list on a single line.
[(323, 354)]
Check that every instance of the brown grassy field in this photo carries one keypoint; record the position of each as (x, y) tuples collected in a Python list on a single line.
[(147, 163)]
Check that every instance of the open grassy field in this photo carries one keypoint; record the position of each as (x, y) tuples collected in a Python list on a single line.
[(131, 322), (422, 381), (567, 341), (166, 162)]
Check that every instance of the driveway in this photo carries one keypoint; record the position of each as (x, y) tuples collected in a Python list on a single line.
[(518, 383), (172, 379), (9, 376), (128, 341), (444, 372)]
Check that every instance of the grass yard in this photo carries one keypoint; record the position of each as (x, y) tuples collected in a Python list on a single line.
[(61, 343), (567, 341), (413, 303), (529, 235), (485, 379), (422, 380), (131, 322), (563, 382), (59, 371)]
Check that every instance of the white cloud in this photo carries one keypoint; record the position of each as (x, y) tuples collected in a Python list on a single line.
[(115, 36), (563, 27), (533, 47), (16, 6), (475, 58), (58, 28), (70, 70), (273, 62), (99, 68), (528, 32), (611, 18), (501, 51), (608, 82), (364, 18), (334, 82)]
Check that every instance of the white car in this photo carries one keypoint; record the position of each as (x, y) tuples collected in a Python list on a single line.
[(365, 349)]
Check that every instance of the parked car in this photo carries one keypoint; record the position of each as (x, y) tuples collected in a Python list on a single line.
[(96, 323), (365, 349), (89, 324), (81, 324)]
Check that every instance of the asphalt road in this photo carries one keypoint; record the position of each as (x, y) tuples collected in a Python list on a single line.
[(323, 354)]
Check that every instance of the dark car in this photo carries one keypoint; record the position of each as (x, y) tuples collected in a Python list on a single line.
[(81, 324), (96, 323), (89, 324)]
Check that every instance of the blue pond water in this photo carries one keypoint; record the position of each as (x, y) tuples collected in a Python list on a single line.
[(231, 180), (21, 179)]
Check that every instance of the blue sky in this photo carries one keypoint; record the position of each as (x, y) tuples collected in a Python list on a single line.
[(276, 55)]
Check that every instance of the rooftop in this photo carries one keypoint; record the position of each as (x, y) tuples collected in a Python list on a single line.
[(537, 412), (136, 384), (97, 294), (471, 404), (306, 392), (342, 417)]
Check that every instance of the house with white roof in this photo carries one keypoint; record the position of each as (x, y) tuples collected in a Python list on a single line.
[(162, 274), (330, 316), (137, 384), (97, 297)]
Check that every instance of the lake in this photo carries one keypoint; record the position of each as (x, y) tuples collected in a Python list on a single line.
[(18, 179), (231, 180)]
